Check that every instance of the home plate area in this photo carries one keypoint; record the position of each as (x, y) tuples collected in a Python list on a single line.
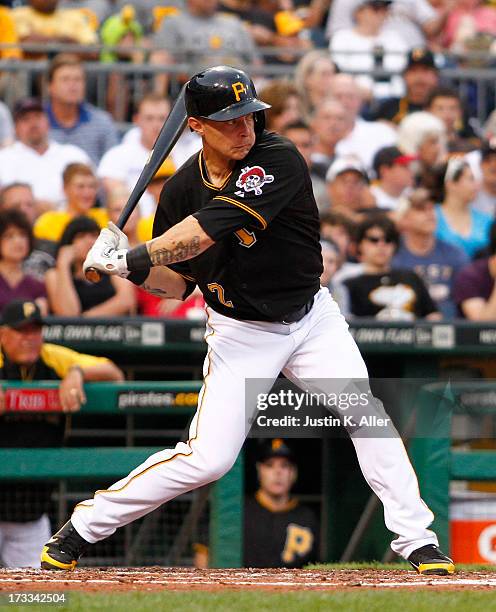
[(186, 579)]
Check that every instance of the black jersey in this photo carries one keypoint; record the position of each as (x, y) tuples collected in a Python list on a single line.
[(287, 538), (395, 294), (266, 261), (394, 109)]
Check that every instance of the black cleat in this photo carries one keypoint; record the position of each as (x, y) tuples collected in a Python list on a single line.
[(429, 560), (63, 549)]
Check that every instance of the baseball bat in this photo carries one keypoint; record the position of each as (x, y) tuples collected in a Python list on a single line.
[(169, 134)]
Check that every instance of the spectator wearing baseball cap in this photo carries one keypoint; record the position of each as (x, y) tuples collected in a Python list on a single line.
[(434, 260), (35, 159), (24, 522), (394, 175), (278, 530), (347, 188), (367, 46), (420, 76)]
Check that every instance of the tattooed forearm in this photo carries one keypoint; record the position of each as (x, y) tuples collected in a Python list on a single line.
[(181, 252), (155, 290)]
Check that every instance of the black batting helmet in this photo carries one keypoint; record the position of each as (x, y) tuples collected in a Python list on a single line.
[(223, 93)]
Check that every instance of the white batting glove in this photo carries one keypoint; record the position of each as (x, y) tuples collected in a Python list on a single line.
[(108, 254), (123, 242)]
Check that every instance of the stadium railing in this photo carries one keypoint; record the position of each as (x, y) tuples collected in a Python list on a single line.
[(473, 75)]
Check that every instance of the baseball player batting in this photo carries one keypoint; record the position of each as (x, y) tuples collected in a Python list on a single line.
[(239, 220)]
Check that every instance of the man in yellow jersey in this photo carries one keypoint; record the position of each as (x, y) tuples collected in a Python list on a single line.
[(24, 523)]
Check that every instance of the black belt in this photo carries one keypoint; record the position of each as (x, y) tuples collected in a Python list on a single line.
[(297, 315)]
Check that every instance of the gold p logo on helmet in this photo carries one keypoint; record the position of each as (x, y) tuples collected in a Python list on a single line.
[(238, 89)]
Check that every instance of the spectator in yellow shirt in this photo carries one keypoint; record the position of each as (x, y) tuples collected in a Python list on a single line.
[(8, 35), (42, 22), (80, 188)]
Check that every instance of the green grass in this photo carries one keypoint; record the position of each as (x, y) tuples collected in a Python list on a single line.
[(249, 601), (388, 566)]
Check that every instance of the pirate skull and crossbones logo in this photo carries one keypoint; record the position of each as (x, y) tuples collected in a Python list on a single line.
[(253, 179)]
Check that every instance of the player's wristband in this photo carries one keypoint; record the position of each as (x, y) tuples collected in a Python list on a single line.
[(138, 259)]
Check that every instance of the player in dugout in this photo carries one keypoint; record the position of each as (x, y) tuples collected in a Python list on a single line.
[(239, 220), (279, 531), (24, 522)]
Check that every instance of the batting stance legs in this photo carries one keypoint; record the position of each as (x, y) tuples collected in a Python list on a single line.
[(318, 346)]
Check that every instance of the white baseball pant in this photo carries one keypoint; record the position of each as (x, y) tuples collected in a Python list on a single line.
[(319, 346)]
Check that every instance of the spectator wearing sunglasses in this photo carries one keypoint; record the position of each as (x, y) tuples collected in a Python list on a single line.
[(382, 292)]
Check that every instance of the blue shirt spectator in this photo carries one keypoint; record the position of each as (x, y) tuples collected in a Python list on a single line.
[(457, 221), (435, 261), (72, 119), (437, 269), (471, 243)]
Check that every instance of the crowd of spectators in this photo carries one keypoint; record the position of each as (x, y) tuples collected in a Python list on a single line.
[(404, 173)]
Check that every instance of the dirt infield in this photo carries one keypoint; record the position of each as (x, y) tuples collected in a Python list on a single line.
[(186, 579)]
